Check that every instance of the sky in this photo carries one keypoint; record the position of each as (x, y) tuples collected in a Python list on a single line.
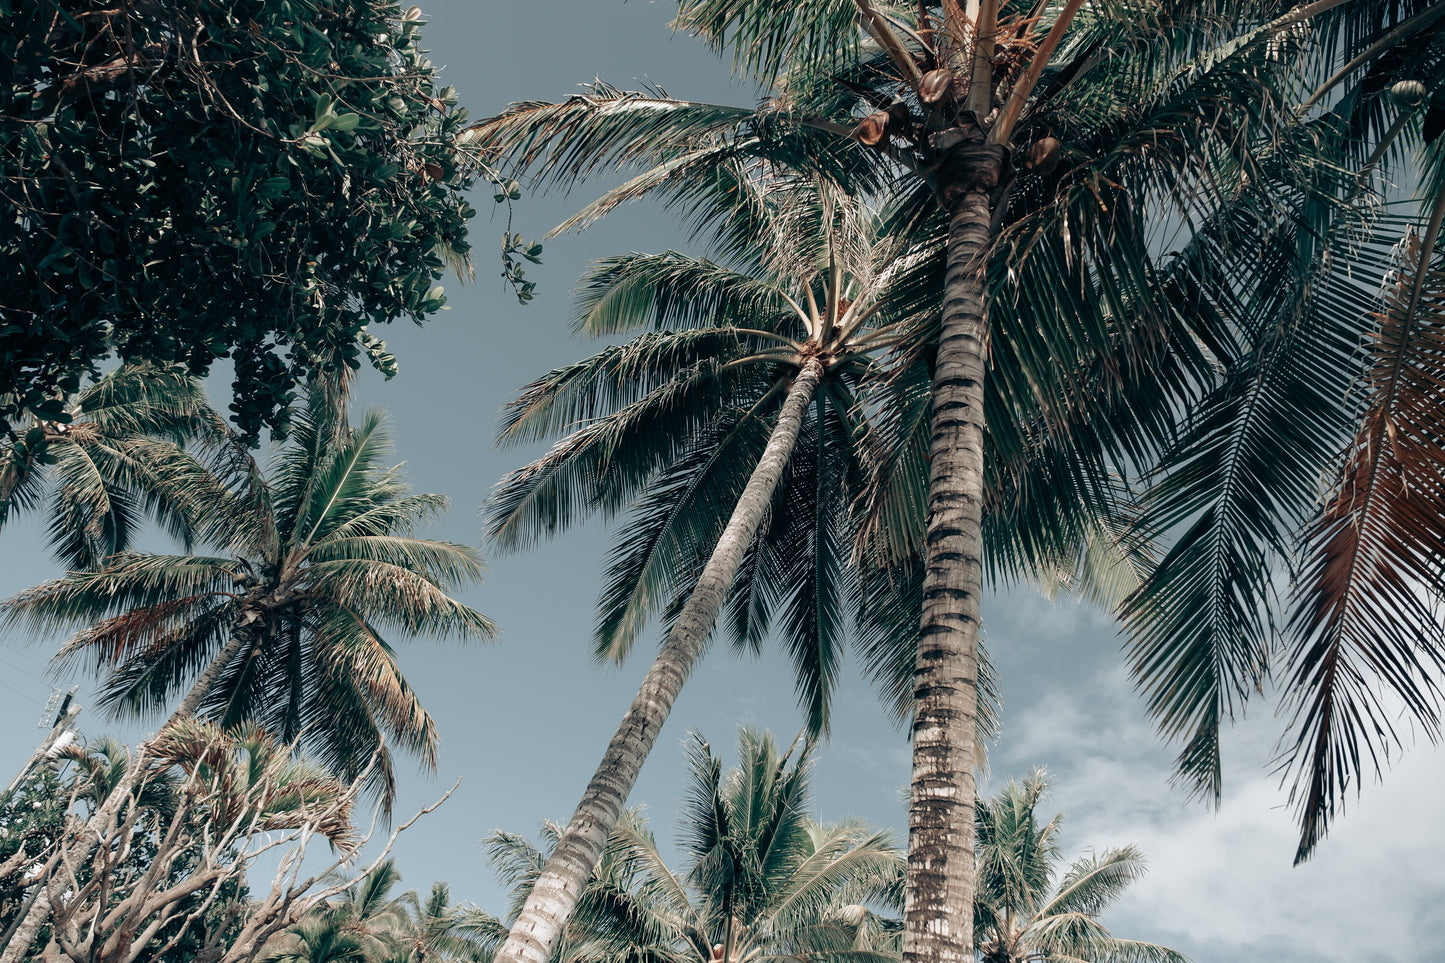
[(524, 720)]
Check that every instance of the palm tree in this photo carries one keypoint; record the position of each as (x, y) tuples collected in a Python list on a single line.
[(319, 939), (285, 629), (111, 455), (740, 403), (1046, 133), (1072, 337), (440, 932), (206, 794), (762, 880), (370, 913), (1021, 915), (400, 929)]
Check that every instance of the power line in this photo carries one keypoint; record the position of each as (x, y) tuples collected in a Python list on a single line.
[(22, 695), (23, 671)]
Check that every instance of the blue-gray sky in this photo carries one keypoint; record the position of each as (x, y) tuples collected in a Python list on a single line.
[(524, 721)]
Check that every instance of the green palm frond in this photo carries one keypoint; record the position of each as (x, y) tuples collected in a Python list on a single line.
[(119, 458), (764, 36), (1093, 882), (672, 291)]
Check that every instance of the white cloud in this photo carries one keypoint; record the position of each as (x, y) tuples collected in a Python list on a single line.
[(1221, 885)]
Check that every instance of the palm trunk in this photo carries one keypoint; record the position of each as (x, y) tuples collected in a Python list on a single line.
[(101, 821), (939, 893), (555, 895)]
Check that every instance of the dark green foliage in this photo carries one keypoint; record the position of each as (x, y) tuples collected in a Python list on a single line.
[(31, 819), (761, 880), (191, 180)]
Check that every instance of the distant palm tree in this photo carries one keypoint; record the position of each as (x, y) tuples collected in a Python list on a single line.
[(438, 931), (319, 939), (284, 627), (733, 429), (404, 929), (1022, 914), (111, 455), (762, 880)]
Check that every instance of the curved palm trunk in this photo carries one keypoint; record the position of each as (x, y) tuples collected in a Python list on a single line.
[(938, 901), (104, 818), (559, 887)]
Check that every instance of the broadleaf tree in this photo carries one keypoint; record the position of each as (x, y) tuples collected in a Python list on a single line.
[(191, 180)]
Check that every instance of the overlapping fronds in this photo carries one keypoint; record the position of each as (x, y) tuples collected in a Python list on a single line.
[(1366, 642), (247, 780), (141, 443), (764, 37), (759, 874), (1025, 910), (324, 567)]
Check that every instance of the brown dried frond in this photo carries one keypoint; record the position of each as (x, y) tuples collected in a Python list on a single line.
[(1364, 616)]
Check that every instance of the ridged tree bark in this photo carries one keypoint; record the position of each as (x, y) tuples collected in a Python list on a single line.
[(99, 824), (938, 900), (558, 888)]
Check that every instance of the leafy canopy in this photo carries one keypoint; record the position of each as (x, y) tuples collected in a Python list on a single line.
[(190, 180)]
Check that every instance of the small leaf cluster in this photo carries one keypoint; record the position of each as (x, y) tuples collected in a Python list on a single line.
[(192, 180)]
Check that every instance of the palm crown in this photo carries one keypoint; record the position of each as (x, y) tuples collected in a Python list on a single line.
[(1179, 219), (1026, 911), (114, 453), (762, 880), (674, 420), (285, 626)]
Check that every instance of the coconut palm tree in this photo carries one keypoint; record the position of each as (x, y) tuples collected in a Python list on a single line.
[(438, 931), (284, 626), (1034, 140), (319, 939), (112, 455), (1076, 324), (1025, 911), (405, 928), (694, 419), (762, 880)]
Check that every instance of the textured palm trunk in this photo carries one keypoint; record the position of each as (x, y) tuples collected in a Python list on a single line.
[(559, 887), (105, 816), (938, 901)]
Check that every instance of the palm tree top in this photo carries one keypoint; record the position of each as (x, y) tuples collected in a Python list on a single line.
[(316, 566), (761, 879), (1025, 910)]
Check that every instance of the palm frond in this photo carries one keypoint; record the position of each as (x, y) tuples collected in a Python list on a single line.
[(1364, 631)]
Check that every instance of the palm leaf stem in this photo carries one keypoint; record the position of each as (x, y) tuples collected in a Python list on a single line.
[(1401, 31)]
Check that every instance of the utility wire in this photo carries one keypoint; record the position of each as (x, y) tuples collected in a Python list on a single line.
[(23, 671)]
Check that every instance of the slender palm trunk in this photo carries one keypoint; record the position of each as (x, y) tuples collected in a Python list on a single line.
[(938, 901), (104, 818), (559, 887)]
